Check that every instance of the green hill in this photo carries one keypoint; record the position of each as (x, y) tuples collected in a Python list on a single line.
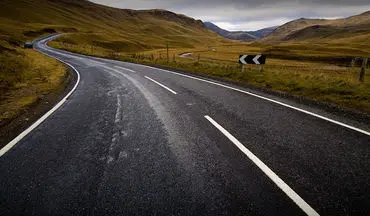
[(111, 27), (323, 30)]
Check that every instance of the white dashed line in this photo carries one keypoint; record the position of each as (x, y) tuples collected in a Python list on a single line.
[(172, 91)]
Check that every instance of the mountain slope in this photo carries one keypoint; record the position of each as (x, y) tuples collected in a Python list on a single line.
[(216, 29), (237, 35), (318, 29), (140, 30), (263, 32)]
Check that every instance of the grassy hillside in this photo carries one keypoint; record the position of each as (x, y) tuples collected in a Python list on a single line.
[(26, 77), (321, 29), (105, 26), (333, 41)]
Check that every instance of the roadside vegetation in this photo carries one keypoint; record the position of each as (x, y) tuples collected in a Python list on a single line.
[(26, 78)]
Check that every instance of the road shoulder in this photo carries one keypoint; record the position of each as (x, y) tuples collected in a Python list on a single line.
[(27, 117)]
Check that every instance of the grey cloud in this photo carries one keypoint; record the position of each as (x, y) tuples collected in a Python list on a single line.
[(239, 12), (235, 3)]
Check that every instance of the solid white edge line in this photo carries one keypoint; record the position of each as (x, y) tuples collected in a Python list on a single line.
[(172, 91), (12, 143), (268, 99), (275, 178), (125, 69)]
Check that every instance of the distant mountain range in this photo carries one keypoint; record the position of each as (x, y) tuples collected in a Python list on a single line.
[(351, 29), (263, 32), (240, 35), (355, 27)]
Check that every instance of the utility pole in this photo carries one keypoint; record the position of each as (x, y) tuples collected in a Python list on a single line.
[(363, 69)]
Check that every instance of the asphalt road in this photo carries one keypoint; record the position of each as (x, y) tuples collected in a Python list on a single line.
[(133, 139)]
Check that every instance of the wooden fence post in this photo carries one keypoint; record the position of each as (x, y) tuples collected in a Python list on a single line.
[(353, 62), (363, 69), (259, 68)]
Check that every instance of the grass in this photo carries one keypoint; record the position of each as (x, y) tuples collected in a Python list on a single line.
[(26, 76)]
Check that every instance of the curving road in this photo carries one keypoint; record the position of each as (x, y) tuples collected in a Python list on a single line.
[(133, 139)]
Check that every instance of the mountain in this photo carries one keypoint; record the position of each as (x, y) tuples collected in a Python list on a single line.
[(216, 29), (122, 29), (263, 32), (321, 29), (237, 35)]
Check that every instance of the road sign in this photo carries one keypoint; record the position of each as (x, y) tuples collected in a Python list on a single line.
[(252, 59)]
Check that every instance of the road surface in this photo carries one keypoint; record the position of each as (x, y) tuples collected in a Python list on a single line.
[(133, 139)]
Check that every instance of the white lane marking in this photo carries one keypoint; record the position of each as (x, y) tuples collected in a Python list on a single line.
[(161, 85), (125, 69), (12, 143), (268, 99), (275, 178)]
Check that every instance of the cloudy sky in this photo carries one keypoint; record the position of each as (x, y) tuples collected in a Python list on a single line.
[(249, 14)]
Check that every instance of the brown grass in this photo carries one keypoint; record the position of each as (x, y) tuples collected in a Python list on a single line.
[(28, 76)]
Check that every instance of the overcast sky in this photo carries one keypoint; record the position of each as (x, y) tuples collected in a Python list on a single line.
[(249, 14)]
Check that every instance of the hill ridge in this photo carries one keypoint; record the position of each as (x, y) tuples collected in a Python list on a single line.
[(123, 29), (305, 28)]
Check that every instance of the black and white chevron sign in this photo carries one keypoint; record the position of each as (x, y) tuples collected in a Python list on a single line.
[(252, 59)]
